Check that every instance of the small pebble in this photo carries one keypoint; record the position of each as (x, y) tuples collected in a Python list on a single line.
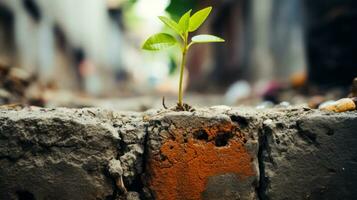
[(342, 105), (268, 122), (284, 104), (221, 107), (326, 103), (265, 104)]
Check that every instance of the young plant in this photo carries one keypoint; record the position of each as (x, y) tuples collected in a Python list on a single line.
[(183, 28)]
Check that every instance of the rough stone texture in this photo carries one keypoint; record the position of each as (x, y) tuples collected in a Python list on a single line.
[(191, 152), (64, 154), (132, 131), (310, 155), (211, 153)]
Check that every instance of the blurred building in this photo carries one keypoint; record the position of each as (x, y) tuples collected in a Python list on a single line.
[(264, 41), (90, 45), (72, 43)]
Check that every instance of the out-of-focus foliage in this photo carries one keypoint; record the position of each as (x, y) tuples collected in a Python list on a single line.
[(177, 7)]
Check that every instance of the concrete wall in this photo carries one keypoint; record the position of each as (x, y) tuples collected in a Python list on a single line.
[(212, 153)]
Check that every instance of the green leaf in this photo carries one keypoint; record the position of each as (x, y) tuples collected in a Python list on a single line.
[(159, 41), (206, 39), (198, 18), (171, 23), (185, 21)]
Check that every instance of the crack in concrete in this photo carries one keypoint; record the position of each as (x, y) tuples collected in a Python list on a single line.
[(263, 180)]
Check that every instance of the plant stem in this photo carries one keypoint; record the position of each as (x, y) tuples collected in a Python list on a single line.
[(180, 96)]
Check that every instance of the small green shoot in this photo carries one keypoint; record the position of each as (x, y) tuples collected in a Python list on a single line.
[(188, 23)]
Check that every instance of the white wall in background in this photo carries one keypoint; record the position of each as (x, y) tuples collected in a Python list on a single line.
[(86, 24)]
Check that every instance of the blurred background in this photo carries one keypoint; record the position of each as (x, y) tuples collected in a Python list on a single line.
[(79, 53)]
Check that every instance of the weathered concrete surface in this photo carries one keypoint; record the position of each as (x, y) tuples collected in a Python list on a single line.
[(215, 153), (65, 154), (309, 155), (201, 154)]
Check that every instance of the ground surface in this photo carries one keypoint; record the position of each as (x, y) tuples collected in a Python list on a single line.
[(211, 153)]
